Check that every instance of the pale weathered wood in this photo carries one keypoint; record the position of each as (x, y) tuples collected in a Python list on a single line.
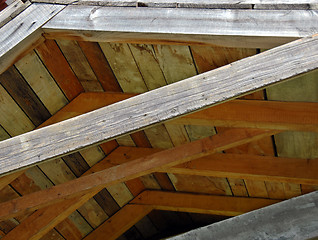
[(160, 105), (42, 83), (131, 170), (224, 4), (231, 28), (12, 10), (20, 34), (292, 219)]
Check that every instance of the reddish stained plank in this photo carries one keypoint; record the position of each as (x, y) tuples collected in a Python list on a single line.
[(100, 66), (57, 65)]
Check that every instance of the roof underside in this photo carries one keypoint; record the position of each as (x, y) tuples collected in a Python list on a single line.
[(62, 78)]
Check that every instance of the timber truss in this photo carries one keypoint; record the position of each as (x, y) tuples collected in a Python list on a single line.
[(288, 28)]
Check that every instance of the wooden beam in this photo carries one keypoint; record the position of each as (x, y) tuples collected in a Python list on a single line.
[(160, 105), (139, 167), (118, 224), (172, 201), (196, 203), (243, 166), (43, 220), (12, 11), (261, 168), (295, 218), (294, 116), (23, 33), (211, 4), (223, 27)]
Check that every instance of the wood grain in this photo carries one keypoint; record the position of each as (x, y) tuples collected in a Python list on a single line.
[(131, 170), (169, 102), (187, 202), (58, 66), (223, 27), (120, 222), (22, 93), (23, 31), (252, 167)]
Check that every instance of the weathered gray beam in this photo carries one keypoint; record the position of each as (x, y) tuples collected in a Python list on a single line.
[(12, 11), (22, 33), (212, 4), (156, 106), (231, 28), (296, 218)]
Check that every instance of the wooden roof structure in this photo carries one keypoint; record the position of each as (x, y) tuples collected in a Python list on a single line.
[(140, 119)]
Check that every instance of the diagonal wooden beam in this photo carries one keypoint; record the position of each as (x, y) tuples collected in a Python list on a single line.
[(259, 168), (294, 116), (245, 166), (172, 201), (197, 203), (160, 105), (226, 27), (295, 218), (118, 224), (130, 170), (23, 33)]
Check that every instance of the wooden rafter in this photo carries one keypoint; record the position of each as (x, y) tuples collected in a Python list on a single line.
[(118, 224), (224, 27), (169, 102), (139, 167), (295, 218), (23, 32), (296, 116), (245, 166), (184, 202)]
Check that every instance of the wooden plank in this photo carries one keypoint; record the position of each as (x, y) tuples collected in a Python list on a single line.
[(230, 28), (58, 66), (207, 58), (10, 112), (252, 167), (12, 11), (228, 4), (147, 63), (200, 184), (78, 62), (294, 218), (24, 31), (124, 67), (120, 222), (100, 66), (208, 204), (42, 83), (170, 102), (22, 93), (259, 114), (131, 170)]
